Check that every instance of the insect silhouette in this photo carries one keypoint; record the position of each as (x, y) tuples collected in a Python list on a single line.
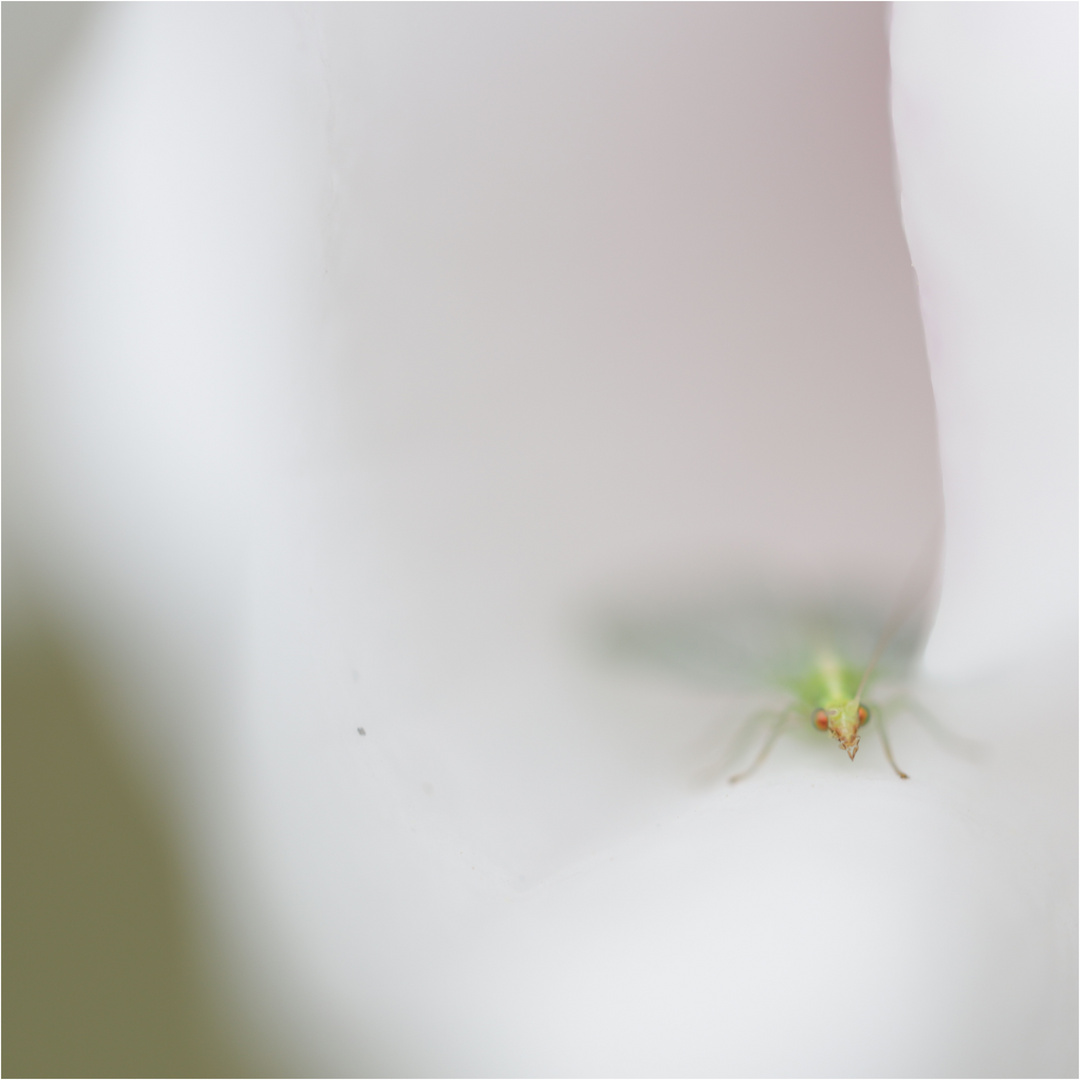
[(825, 656), (830, 693)]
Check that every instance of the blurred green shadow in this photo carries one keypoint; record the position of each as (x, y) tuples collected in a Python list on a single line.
[(98, 965)]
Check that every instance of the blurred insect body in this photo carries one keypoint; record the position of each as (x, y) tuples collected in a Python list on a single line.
[(829, 694), (823, 654)]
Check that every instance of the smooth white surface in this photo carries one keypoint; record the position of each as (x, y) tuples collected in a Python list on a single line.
[(360, 351), (985, 108)]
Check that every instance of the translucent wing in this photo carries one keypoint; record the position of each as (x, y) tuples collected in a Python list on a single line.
[(744, 638)]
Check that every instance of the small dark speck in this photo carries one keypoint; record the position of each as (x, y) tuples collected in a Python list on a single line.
[(361, 731)]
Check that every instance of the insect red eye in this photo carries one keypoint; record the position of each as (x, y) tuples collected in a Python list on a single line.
[(821, 720), (864, 715)]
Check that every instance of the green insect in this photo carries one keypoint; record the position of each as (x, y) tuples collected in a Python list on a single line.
[(830, 694), (823, 655)]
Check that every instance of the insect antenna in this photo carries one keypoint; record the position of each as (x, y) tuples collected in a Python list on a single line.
[(885, 637), (899, 616), (922, 569)]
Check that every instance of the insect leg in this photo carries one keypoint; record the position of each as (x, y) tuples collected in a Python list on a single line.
[(734, 748), (888, 749), (781, 721), (967, 748)]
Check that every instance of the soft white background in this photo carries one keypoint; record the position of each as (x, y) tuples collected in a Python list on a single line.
[(353, 353)]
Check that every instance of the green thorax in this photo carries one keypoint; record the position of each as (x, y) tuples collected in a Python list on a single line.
[(827, 683)]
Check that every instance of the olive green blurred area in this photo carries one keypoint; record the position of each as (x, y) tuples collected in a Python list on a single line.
[(100, 974), (98, 963)]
